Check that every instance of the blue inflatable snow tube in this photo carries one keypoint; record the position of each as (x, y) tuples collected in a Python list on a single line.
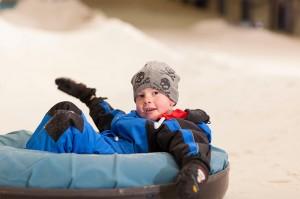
[(29, 170)]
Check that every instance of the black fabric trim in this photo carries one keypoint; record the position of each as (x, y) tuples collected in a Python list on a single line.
[(167, 141), (101, 119), (201, 136), (197, 116), (152, 137), (61, 121), (64, 105)]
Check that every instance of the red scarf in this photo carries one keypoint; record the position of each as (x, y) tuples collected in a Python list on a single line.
[(177, 113)]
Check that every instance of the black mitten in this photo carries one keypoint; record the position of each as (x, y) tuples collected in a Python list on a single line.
[(197, 116), (78, 90), (190, 179)]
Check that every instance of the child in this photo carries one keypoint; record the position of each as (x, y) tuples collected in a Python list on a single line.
[(154, 126)]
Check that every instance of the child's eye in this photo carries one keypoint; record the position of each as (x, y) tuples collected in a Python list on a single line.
[(141, 95), (155, 92)]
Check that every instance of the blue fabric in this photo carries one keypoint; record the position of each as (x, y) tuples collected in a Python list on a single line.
[(127, 135), (105, 106), (132, 128), (190, 141), (71, 141), (206, 130), (172, 125), (25, 168), (28, 168)]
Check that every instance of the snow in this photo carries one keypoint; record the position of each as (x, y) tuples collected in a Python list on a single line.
[(246, 79)]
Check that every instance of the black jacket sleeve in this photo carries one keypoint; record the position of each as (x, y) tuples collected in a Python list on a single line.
[(197, 116), (102, 113), (184, 140)]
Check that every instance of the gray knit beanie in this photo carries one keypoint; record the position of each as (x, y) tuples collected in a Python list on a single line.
[(159, 76)]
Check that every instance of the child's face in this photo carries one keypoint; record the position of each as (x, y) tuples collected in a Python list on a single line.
[(151, 104)]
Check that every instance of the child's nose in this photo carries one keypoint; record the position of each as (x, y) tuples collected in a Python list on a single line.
[(148, 99)]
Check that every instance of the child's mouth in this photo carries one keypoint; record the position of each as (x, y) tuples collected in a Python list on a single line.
[(148, 110)]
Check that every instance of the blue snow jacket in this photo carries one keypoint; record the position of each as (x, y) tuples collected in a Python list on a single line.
[(66, 130), (127, 135)]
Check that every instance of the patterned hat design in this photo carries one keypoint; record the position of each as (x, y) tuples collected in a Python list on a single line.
[(159, 76)]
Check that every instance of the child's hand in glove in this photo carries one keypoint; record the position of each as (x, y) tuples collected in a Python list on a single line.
[(190, 179), (78, 90)]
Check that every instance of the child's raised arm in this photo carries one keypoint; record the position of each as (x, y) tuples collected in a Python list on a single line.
[(78, 90), (100, 111)]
